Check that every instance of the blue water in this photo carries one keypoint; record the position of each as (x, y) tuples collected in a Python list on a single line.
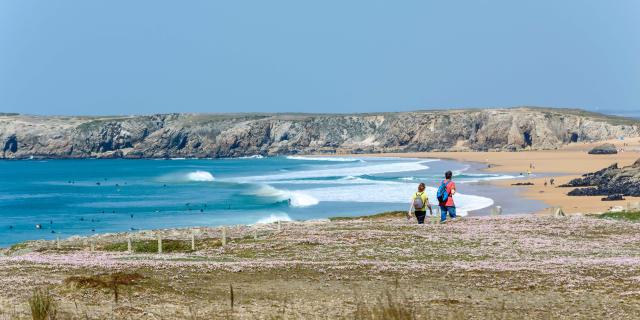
[(81, 197)]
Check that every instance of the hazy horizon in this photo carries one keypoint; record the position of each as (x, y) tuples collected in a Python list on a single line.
[(148, 57), (619, 113)]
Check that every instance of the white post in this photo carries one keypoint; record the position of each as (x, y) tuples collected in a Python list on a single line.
[(93, 246), (255, 234), (499, 210), (159, 243), (279, 227), (224, 236), (193, 241), (129, 245), (58, 242)]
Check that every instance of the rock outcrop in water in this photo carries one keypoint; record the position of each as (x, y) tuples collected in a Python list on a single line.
[(233, 135), (608, 181)]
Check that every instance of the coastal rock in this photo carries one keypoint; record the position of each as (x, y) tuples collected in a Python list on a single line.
[(609, 181), (613, 197), (235, 135), (606, 148)]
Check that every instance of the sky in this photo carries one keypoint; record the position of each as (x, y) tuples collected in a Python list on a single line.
[(115, 57)]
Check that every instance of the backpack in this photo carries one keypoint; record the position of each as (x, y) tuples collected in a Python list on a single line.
[(442, 194), (417, 202)]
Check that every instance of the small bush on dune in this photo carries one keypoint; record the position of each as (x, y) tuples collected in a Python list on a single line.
[(42, 305), (386, 307), (107, 281)]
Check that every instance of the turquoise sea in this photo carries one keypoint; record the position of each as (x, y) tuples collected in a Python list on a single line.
[(43, 199)]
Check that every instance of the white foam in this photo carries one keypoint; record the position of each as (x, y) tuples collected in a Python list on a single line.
[(297, 198), (274, 217), (343, 172), (199, 176), (394, 193), (193, 176), (336, 159), (255, 156)]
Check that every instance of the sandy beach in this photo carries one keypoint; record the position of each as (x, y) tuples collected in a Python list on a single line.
[(563, 164)]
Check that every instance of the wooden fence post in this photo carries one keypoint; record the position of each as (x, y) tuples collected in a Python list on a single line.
[(224, 236), (499, 210), (193, 241), (57, 242), (159, 243), (255, 234), (129, 245), (92, 245), (279, 227)]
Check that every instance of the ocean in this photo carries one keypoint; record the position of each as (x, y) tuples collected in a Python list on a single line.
[(45, 199)]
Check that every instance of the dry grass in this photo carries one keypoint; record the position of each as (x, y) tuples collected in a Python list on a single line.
[(42, 305), (484, 268)]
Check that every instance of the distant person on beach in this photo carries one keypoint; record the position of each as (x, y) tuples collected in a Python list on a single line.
[(445, 194), (552, 181), (419, 203)]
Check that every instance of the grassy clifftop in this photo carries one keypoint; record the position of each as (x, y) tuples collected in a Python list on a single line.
[(366, 268)]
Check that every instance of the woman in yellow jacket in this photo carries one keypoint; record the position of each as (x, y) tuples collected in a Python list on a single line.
[(419, 204)]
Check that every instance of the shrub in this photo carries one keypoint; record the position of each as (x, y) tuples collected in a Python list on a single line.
[(42, 305)]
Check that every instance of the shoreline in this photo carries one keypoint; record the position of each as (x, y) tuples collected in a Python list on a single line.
[(564, 164)]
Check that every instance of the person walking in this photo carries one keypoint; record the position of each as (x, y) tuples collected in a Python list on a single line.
[(445, 194), (419, 203)]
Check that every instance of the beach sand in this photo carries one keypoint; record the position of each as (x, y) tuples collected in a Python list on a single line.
[(563, 164)]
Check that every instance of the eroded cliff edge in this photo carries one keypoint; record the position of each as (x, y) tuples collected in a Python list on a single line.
[(234, 135)]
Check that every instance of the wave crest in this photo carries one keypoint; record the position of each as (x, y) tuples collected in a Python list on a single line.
[(274, 218), (335, 159), (193, 176), (296, 198)]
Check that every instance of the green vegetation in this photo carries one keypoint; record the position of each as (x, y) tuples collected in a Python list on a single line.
[(18, 246), (378, 216), (42, 305), (151, 246), (624, 215)]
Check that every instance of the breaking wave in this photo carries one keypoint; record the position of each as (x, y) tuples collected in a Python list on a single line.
[(335, 159), (274, 217), (296, 198), (193, 176)]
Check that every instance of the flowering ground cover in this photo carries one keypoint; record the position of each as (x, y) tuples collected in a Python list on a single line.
[(508, 267)]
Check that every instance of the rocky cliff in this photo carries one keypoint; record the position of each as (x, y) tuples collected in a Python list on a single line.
[(233, 135)]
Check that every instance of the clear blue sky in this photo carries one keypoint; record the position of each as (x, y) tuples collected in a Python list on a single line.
[(152, 56)]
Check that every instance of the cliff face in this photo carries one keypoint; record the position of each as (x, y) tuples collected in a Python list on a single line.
[(233, 135)]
